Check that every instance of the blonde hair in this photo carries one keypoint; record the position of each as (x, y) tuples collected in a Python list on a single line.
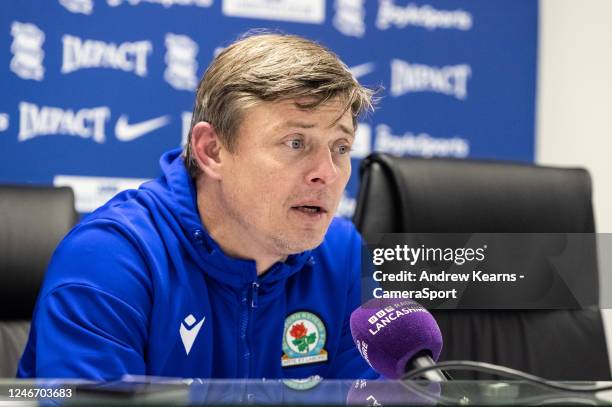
[(267, 67)]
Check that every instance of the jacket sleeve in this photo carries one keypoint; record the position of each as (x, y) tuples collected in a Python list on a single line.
[(348, 363), (90, 321)]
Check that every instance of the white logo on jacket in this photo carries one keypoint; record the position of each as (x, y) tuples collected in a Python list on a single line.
[(189, 331)]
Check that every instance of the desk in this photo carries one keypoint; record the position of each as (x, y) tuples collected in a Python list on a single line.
[(283, 392)]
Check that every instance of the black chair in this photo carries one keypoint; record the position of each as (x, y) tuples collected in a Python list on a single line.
[(412, 195), (33, 219)]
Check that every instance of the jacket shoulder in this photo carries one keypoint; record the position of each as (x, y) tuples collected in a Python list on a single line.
[(341, 247), (342, 232)]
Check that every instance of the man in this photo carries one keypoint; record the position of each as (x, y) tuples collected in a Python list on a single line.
[(230, 265)]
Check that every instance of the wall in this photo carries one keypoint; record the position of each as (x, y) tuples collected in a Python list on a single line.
[(574, 106)]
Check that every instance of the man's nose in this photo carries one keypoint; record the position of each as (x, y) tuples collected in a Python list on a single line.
[(323, 168)]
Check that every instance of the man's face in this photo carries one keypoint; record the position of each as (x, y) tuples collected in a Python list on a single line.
[(282, 183)]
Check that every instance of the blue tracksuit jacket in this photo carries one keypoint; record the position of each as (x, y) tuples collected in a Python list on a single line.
[(140, 288)]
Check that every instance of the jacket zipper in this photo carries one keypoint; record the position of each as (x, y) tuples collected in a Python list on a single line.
[(254, 294), (244, 322), (247, 308)]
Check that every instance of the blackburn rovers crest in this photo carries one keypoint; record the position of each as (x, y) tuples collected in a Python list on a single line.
[(304, 339)]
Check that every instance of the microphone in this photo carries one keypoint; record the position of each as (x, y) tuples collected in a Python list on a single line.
[(397, 335)]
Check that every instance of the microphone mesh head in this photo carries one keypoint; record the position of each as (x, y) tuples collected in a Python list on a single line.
[(390, 332)]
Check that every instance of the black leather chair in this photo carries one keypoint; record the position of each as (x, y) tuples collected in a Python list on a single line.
[(33, 219), (412, 195)]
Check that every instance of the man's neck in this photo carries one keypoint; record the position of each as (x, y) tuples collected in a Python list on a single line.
[(223, 228)]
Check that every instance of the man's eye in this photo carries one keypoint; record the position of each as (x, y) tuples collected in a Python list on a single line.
[(343, 149), (296, 144)]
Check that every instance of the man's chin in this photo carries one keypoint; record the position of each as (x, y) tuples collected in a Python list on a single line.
[(312, 245), (300, 244)]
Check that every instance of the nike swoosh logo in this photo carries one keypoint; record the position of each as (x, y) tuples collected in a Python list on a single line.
[(188, 335), (128, 132), (362, 69)]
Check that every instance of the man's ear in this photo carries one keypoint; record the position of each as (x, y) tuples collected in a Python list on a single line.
[(206, 148)]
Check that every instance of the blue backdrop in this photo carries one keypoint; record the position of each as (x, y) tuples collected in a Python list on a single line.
[(94, 91)]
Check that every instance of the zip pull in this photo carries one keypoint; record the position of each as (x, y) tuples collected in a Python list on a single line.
[(254, 291)]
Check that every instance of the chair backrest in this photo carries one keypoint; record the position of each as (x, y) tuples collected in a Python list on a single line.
[(460, 196), (33, 219), (412, 195)]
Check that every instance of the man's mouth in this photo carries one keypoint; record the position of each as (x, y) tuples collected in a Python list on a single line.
[(309, 209)]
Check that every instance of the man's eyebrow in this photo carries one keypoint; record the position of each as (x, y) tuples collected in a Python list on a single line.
[(346, 130), (299, 124), (304, 125)]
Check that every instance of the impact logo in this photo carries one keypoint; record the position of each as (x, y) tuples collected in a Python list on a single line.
[(165, 3), (182, 66), (387, 315), (447, 80), (83, 53), (27, 51), (304, 339), (350, 17), (421, 145), (421, 16), (78, 6), (37, 121), (298, 11)]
